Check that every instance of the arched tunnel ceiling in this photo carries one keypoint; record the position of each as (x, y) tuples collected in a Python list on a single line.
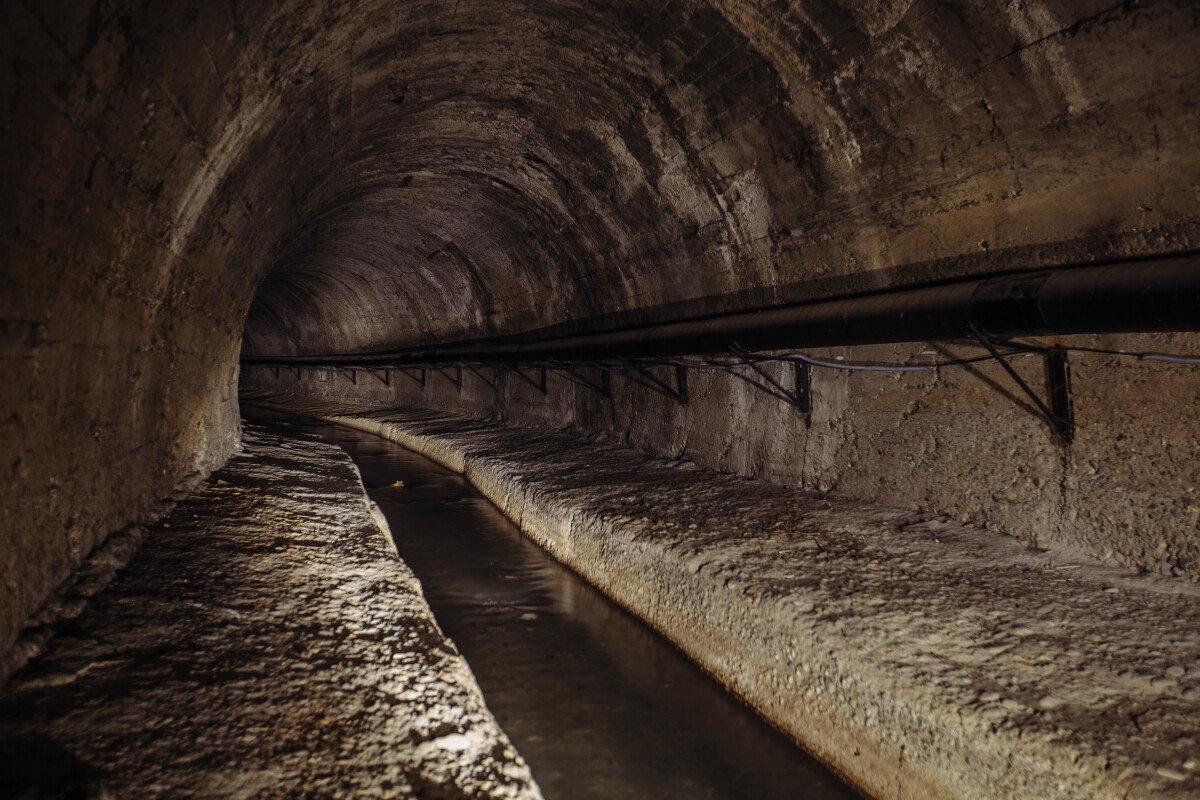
[(439, 171), (383, 174)]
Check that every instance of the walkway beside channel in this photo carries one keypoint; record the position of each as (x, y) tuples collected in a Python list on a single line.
[(264, 641)]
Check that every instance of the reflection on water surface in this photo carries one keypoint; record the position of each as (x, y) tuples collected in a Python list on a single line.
[(600, 706)]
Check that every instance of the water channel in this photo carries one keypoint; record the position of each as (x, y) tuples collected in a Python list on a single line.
[(599, 705)]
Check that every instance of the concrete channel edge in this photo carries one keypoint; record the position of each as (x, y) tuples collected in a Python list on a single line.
[(919, 660), (755, 665)]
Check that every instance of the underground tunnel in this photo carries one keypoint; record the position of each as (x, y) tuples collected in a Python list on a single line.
[(837, 360)]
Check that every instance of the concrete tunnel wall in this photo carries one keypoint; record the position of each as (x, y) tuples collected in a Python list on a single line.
[(341, 176)]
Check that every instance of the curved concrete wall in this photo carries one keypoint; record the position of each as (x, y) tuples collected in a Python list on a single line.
[(400, 173), (963, 442)]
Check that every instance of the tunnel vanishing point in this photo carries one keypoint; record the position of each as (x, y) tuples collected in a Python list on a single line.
[(942, 257)]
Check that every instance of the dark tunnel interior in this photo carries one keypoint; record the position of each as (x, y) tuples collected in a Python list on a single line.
[(200, 192)]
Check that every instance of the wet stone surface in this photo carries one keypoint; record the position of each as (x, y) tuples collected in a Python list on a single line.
[(921, 657), (264, 642), (598, 704)]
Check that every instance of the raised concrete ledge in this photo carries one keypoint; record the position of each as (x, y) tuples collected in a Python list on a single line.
[(264, 641), (921, 658)]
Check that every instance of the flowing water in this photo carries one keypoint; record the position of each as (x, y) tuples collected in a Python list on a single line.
[(597, 703)]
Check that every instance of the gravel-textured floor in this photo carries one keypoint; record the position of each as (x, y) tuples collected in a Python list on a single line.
[(264, 641), (922, 658)]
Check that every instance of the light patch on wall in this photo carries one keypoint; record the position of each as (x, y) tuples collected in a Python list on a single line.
[(813, 108), (924, 59), (235, 140), (747, 203), (879, 17), (626, 165), (1036, 27)]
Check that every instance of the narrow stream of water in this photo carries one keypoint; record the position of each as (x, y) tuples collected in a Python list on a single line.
[(597, 703)]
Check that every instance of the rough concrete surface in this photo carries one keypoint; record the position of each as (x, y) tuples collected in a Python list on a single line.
[(964, 441), (337, 175), (69, 599), (922, 657), (264, 642)]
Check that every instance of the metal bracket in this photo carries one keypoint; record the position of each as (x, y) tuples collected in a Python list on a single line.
[(385, 378), (540, 384), (350, 374), (1058, 382), (478, 374), (604, 387), (1059, 413), (274, 368), (800, 397), (678, 393), (295, 371), (456, 380), (405, 371)]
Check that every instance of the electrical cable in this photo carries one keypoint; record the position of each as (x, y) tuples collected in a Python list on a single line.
[(1169, 358)]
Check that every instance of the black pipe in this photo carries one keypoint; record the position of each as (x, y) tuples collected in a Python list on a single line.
[(1137, 297)]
